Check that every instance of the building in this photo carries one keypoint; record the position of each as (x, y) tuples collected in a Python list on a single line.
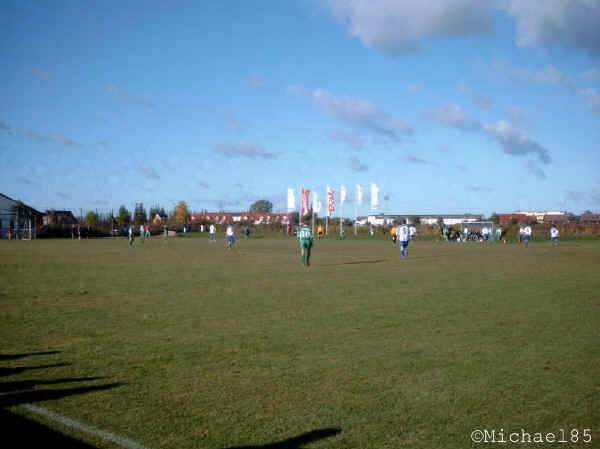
[(59, 218), (240, 217), (17, 219), (589, 218), (539, 216), (390, 220)]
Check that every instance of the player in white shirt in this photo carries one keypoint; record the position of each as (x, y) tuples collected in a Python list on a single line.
[(230, 236), (212, 232), (485, 232), (554, 235), (412, 232), (465, 235), (527, 234), (521, 233), (403, 236)]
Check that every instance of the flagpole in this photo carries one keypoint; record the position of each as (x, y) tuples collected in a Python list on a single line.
[(355, 218)]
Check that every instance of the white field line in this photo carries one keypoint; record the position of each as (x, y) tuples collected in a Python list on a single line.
[(108, 436)]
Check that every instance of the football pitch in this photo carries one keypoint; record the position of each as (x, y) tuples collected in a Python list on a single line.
[(186, 345)]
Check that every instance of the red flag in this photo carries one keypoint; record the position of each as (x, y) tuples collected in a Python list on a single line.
[(305, 201), (331, 198)]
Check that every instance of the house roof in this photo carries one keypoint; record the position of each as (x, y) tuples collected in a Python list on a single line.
[(35, 211)]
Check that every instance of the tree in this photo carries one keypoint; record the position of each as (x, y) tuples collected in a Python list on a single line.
[(181, 214), (139, 215), (261, 207), (495, 218), (157, 210), (416, 221), (124, 217), (91, 219)]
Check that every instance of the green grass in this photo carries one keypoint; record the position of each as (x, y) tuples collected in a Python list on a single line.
[(214, 349)]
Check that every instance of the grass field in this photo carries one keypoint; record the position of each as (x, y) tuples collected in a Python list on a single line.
[(186, 345)]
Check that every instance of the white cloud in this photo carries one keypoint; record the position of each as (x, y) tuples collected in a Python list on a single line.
[(512, 140), (361, 113), (394, 26), (234, 150), (515, 141), (454, 116), (416, 160), (573, 23), (547, 76), (482, 101)]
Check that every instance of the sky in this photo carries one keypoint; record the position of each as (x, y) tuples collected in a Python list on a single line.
[(454, 106)]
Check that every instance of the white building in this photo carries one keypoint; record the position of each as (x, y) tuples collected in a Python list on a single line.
[(390, 220)]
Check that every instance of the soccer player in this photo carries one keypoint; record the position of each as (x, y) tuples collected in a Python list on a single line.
[(499, 233), (394, 233), (212, 232), (554, 235), (412, 232), (486, 233), (142, 233), (371, 231), (320, 232), (521, 233), (306, 239), (527, 234), (147, 231), (403, 235), (465, 235), (230, 236), (131, 237)]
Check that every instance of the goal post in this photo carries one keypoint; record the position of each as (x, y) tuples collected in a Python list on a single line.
[(475, 229)]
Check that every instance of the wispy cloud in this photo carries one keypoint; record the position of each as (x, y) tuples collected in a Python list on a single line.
[(52, 138), (102, 144), (44, 76), (126, 97), (591, 98), (356, 165), (512, 140), (242, 149), (414, 89), (454, 116), (534, 169), (462, 168), (149, 173), (515, 141), (4, 126), (477, 188), (591, 75), (482, 101), (232, 121), (416, 160), (24, 180), (63, 196), (353, 139), (255, 81), (357, 112)]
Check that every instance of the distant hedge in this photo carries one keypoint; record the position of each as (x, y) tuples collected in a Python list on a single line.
[(57, 232)]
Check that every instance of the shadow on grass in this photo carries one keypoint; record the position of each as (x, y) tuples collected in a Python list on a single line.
[(25, 432), (298, 441), (28, 432), (11, 371), (359, 262), (20, 356)]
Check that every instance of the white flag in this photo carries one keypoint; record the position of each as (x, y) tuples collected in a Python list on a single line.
[(316, 203), (359, 194), (374, 196), (291, 202), (342, 195), (328, 200)]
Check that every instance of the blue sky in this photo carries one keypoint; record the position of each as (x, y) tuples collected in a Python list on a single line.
[(461, 106)]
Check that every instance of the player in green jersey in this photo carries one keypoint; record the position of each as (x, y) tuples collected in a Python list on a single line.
[(305, 238)]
